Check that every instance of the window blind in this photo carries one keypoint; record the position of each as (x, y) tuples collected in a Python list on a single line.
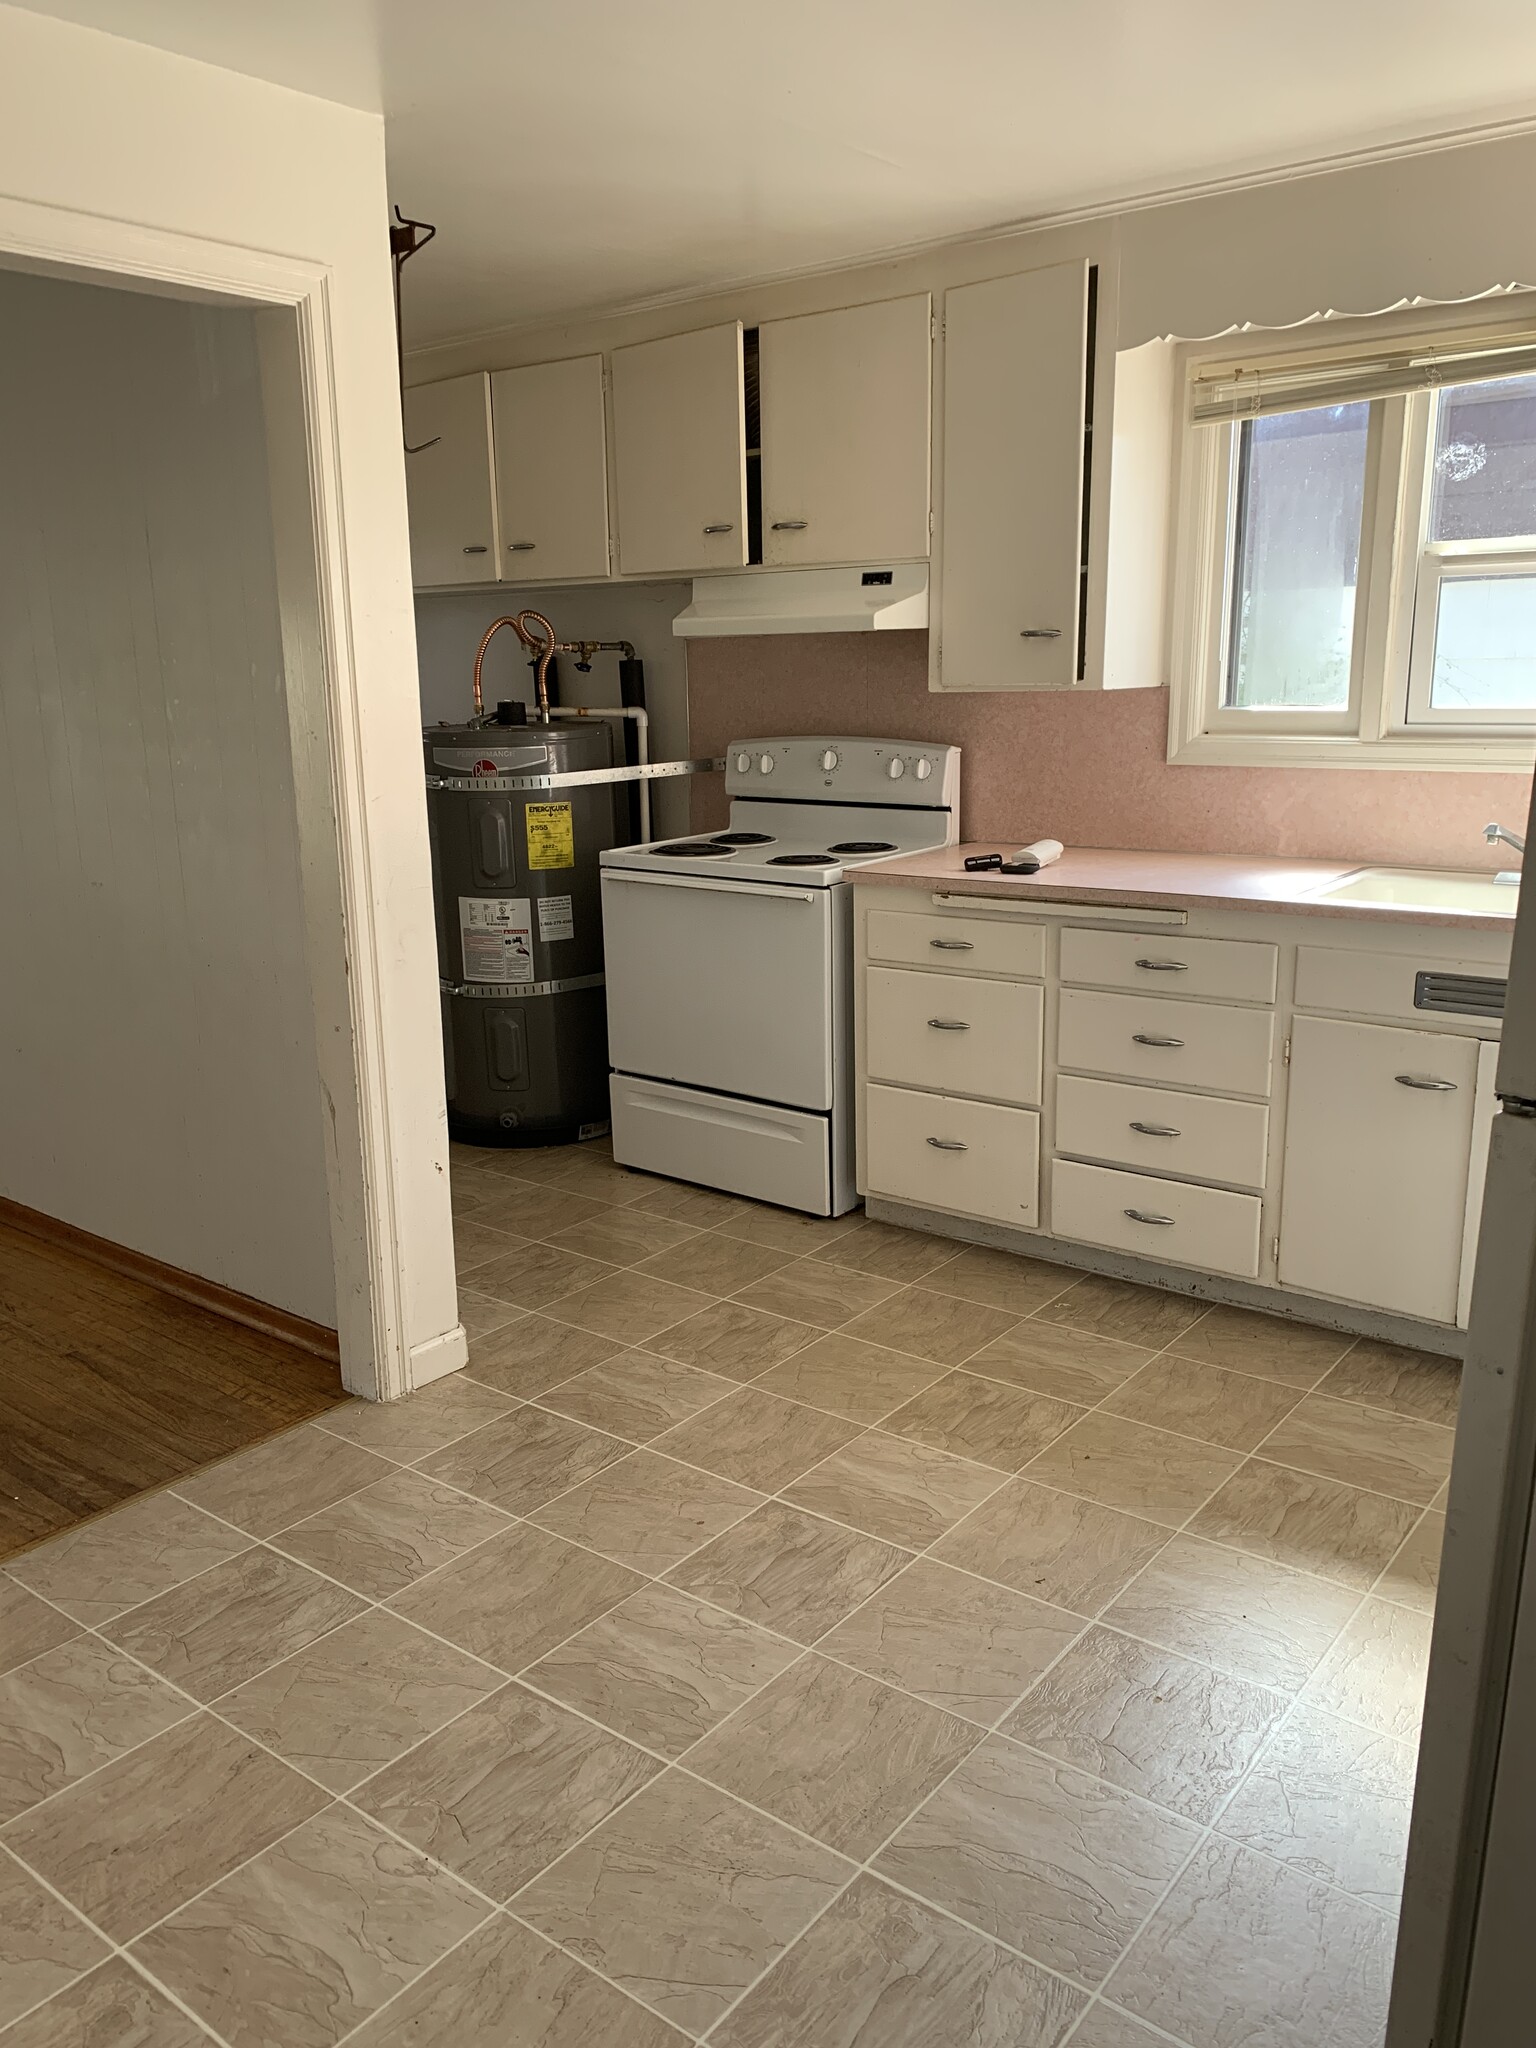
[(1242, 391)]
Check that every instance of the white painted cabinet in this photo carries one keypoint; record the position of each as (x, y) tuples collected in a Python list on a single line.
[(680, 453), (451, 482), (1378, 1140), (845, 434), (551, 469), (1011, 506)]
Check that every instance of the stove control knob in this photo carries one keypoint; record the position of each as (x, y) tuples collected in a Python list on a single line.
[(897, 769), (829, 760), (765, 764), (743, 763), (923, 769)]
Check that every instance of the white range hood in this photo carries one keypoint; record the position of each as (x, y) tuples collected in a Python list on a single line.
[(807, 601)]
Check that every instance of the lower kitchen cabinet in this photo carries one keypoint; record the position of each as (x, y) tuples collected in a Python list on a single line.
[(1291, 1121), (1378, 1140)]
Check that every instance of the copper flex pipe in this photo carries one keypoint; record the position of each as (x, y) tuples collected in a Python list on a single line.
[(543, 649)]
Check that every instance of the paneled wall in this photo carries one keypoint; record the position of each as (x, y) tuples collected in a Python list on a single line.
[(1092, 769), (159, 1081)]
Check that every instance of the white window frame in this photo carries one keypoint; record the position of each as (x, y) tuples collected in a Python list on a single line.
[(1388, 722)]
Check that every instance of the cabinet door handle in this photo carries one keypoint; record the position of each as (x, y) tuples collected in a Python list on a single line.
[(789, 526), (477, 551), (1427, 1082), (1156, 1130), (947, 1024), (948, 1145), (1149, 1216), (1154, 1038), (521, 547), (1041, 633), (1164, 966), (721, 526), (953, 945)]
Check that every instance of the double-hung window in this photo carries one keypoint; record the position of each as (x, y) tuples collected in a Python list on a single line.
[(1357, 557)]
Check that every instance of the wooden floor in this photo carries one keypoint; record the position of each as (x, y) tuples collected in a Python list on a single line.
[(108, 1387)]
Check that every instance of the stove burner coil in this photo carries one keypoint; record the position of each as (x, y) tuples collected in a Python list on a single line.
[(691, 849), (742, 839), (803, 860), (865, 846)]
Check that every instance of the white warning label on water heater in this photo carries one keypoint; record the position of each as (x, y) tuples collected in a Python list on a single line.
[(555, 920), (496, 933)]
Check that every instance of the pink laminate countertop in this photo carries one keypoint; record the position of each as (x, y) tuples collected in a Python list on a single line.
[(1164, 881)]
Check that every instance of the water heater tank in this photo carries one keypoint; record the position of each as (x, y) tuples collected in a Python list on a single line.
[(520, 929)]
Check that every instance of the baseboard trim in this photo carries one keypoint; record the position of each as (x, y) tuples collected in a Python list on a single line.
[(435, 1357), (235, 1307), (1208, 1287)]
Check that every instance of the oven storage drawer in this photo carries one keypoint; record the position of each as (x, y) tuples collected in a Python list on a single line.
[(757, 1149), (967, 1157), (1186, 1045), (1158, 1219), (1202, 1137), (1232, 970), (951, 1033), (963, 945)]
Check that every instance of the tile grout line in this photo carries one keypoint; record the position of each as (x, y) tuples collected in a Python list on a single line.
[(116, 1951)]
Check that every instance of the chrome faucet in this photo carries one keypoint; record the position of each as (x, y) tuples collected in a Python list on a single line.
[(1494, 834)]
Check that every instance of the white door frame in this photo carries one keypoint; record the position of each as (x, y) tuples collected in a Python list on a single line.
[(325, 718)]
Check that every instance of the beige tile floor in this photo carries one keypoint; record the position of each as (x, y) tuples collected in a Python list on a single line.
[(788, 1634)]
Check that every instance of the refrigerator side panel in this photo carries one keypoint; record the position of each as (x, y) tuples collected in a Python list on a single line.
[(1493, 1477)]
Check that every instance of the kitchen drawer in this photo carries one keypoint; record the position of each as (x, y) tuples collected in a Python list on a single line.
[(1386, 984), (1186, 1045), (1233, 970), (968, 1157), (964, 945), (953, 1034), (1203, 1227), (1204, 1137)]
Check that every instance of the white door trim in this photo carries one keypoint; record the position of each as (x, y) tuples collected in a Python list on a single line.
[(326, 723)]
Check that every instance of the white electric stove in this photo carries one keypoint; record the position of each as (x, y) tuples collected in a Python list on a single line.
[(729, 963)]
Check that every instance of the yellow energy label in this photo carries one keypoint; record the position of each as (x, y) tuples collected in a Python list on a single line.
[(551, 837)]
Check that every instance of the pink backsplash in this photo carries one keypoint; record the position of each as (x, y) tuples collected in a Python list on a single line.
[(1090, 770)]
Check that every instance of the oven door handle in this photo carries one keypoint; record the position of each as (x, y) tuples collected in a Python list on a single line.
[(717, 888)]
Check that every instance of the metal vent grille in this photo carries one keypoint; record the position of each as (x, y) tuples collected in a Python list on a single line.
[(1464, 995)]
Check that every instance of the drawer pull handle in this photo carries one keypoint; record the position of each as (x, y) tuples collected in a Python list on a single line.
[(947, 1024), (1041, 633), (721, 526), (521, 547), (789, 525), (1154, 1038), (953, 945), (948, 1145), (1427, 1082), (1156, 1130), (477, 550), (1164, 966), (1150, 1216)]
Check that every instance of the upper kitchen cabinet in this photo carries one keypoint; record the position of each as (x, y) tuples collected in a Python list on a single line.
[(451, 482), (551, 470), (845, 432), (1011, 567), (680, 453)]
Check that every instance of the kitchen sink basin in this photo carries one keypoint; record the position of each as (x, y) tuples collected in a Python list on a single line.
[(1427, 889)]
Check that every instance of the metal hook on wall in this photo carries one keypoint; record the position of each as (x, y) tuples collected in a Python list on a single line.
[(405, 238)]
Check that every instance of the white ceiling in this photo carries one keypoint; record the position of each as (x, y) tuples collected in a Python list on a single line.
[(580, 155)]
